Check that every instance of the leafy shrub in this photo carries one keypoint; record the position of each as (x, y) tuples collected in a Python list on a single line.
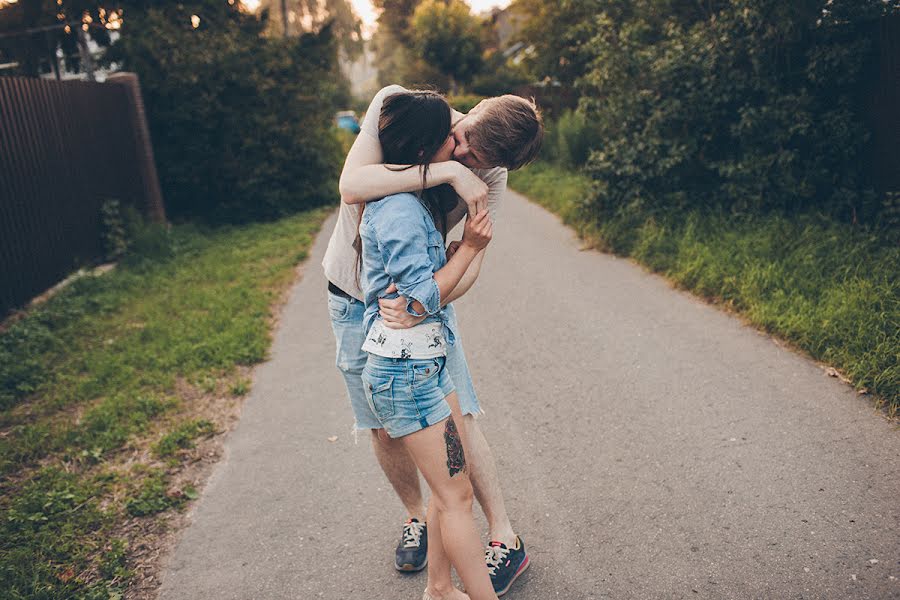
[(464, 102), (112, 230), (751, 106), (241, 123), (568, 140)]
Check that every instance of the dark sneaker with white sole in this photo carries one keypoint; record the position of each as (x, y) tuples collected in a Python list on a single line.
[(412, 551), (505, 564)]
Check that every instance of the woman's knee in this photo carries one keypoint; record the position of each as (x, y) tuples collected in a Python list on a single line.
[(456, 497)]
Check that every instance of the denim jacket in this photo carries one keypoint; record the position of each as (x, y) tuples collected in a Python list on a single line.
[(401, 245)]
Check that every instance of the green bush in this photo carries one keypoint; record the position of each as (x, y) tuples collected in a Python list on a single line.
[(750, 106), (568, 140), (241, 123), (464, 102)]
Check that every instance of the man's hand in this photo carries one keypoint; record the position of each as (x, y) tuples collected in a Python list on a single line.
[(472, 190), (478, 231), (393, 312)]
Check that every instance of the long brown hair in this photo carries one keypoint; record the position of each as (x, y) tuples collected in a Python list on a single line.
[(412, 127)]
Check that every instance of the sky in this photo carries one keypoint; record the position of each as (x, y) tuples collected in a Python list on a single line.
[(368, 15)]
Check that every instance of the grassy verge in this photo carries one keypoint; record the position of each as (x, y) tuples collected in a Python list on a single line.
[(108, 387), (830, 290)]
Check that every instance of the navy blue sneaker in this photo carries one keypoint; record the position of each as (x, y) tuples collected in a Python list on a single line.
[(505, 564), (412, 551)]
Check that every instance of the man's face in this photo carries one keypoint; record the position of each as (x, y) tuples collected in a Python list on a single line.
[(463, 152), (446, 151)]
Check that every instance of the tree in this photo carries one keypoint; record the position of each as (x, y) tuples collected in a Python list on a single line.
[(31, 31), (310, 16), (240, 121), (447, 36)]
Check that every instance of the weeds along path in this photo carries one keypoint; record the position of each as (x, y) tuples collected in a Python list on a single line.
[(650, 446)]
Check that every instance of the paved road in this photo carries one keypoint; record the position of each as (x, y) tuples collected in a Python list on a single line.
[(650, 447)]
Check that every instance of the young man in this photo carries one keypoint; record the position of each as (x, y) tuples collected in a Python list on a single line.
[(498, 134)]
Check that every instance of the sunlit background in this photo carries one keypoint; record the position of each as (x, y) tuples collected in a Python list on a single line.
[(368, 14)]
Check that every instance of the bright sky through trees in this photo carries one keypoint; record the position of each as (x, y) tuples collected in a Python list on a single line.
[(367, 13)]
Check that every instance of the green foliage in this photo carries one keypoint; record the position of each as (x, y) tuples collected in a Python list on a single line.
[(830, 289), (569, 139), (241, 123), (559, 30), (153, 496), (112, 230), (499, 76), (752, 107), (114, 561), (314, 15), (558, 190), (446, 35), (182, 437), (30, 51), (48, 532), (90, 372), (464, 102), (427, 43)]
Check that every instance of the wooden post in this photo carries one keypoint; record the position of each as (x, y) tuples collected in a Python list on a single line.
[(153, 200)]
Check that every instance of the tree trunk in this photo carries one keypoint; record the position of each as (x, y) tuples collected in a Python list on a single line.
[(87, 62), (284, 16)]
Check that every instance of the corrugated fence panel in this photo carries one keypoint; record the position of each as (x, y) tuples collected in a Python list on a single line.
[(65, 149)]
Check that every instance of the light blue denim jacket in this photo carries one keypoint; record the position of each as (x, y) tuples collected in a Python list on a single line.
[(401, 245)]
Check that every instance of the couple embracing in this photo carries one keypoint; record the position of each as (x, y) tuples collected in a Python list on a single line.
[(417, 169)]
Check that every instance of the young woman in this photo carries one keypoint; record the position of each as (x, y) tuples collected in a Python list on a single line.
[(402, 250)]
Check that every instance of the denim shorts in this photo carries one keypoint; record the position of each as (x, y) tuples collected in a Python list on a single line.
[(407, 394), (347, 323)]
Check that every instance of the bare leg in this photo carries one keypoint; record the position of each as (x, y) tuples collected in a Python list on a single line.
[(486, 482), (438, 452), (440, 585), (401, 471)]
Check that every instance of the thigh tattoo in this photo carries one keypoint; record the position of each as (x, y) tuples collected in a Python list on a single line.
[(456, 458)]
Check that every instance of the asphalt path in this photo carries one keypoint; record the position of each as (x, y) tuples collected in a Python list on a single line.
[(650, 446)]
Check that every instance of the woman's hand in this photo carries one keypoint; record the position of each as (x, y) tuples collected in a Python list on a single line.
[(478, 231), (470, 187)]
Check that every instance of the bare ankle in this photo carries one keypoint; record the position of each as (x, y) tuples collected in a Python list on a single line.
[(504, 536), (444, 591), (418, 515)]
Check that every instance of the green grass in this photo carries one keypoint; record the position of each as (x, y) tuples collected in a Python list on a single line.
[(831, 290), (557, 190), (93, 377), (182, 437)]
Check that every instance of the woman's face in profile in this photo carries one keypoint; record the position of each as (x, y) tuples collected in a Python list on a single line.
[(446, 151)]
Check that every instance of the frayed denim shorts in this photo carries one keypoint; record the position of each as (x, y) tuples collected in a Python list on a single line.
[(349, 334), (407, 394)]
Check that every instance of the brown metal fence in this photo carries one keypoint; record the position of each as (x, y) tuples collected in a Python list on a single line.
[(65, 149)]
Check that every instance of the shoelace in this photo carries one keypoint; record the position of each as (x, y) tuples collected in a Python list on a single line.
[(412, 534), (494, 556)]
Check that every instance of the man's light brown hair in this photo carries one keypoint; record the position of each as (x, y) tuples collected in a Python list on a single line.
[(508, 133)]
